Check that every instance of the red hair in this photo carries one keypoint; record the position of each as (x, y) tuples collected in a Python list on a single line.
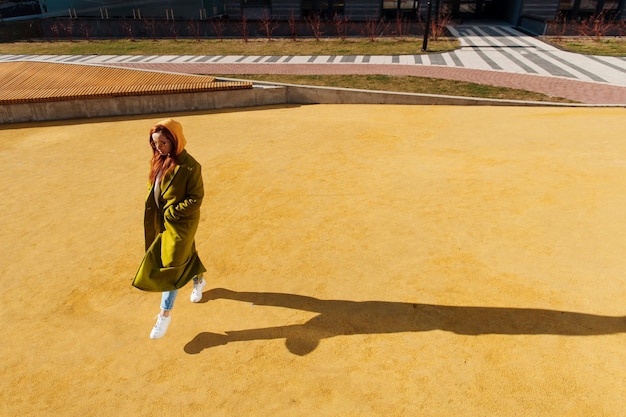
[(162, 163)]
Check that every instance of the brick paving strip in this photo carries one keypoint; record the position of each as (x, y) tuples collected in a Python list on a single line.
[(579, 91)]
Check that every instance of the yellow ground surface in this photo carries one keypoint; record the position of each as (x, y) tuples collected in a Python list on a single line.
[(363, 261)]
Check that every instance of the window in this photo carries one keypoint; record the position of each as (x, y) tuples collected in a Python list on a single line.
[(323, 8), (256, 3)]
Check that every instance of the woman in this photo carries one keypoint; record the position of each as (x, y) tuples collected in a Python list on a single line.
[(172, 214)]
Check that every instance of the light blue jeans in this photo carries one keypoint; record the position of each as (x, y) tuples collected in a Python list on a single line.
[(168, 298)]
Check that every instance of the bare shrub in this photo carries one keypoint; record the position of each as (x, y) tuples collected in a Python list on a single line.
[(438, 29), (54, 29), (294, 25), (316, 25), (374, 29), (150, 25), (242, 28), (268, 24), (67, 29), (342, 25), (401, 26), (127, 27), (173, 30), (194, 28), (595, 26), (559, 26), (621, 28), (218, 26), (85, 29)]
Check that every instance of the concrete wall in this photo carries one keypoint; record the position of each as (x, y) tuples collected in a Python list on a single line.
[(262, 95), (327, 95), (146, 104)]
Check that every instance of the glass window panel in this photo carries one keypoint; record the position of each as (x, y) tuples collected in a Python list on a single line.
[(404, 4), (588, 5), (468, 8)]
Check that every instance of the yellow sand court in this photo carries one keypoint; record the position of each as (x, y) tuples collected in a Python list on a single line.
[(363, 261)]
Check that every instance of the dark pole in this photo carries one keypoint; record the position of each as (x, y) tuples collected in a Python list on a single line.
[(575, 9), (427, 26), (620, 9)]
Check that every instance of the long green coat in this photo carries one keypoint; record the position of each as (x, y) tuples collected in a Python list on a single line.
[(171, 259)]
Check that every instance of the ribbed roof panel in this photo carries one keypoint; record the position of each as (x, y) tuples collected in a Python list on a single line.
[(23, 82)]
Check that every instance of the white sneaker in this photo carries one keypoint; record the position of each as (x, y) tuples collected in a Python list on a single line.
[(160, 327), (196, 294)]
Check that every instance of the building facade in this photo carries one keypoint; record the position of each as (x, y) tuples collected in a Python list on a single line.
[(527, 14)]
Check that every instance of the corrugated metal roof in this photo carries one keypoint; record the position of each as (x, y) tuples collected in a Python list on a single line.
[(23, 82)]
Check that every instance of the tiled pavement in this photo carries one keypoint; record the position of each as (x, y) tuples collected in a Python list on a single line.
[(489, 54)]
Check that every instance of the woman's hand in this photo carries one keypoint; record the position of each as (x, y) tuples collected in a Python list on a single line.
[(170, 214)]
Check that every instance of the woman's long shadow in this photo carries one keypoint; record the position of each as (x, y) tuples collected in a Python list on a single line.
[(342, 318)]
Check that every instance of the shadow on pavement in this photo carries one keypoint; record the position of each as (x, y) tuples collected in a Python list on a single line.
[(343, 318)]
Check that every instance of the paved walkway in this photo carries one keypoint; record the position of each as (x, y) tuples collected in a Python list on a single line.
[(489, 54)]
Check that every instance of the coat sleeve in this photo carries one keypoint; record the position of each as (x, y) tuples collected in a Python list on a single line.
[(190, 203)]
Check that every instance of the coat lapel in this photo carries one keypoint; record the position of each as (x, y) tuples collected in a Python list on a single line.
[(167, 181)]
